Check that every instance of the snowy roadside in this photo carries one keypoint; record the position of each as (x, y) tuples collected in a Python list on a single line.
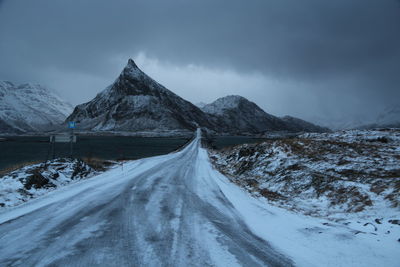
[(326, 175), (32, 181), (101, 181), (29, 182), (326, 193), (313, 241)]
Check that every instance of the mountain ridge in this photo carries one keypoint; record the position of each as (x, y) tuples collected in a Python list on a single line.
[(29, 108), (136, 102), (236, 114), (248, 117)]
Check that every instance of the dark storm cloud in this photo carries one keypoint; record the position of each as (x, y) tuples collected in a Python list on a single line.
[(346, 53)]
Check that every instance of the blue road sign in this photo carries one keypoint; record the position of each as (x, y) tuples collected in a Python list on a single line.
[(71, 124)]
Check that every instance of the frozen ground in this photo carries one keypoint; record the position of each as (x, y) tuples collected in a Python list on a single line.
[(326, 175), (177, 210), (349, 178), (31, 181)]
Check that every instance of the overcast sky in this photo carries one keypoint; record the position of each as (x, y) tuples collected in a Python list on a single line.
[(315, 59)]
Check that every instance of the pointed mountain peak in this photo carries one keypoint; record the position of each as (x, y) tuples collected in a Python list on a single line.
[(131, 70), (131, 64), (133, 81)]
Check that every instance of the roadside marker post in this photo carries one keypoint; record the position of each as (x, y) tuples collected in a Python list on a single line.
[(71, 126), (64, 138)]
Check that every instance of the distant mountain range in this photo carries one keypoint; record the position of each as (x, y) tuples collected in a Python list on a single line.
[(137, 103), (387, 118), (29, 108), (236, 115)]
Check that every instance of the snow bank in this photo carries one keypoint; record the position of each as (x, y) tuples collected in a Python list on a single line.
[(32, 181)]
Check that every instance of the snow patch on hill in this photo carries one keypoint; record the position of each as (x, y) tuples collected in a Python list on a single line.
[(219, 106)]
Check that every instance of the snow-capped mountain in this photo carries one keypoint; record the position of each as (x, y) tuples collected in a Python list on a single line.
[(135, 102), (236, 114), (30, 108)]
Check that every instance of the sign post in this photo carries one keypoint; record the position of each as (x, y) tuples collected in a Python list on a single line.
[(63, 138), (71, 126)]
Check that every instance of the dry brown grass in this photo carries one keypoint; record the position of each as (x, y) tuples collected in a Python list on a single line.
[(271, 195), (97, 163), (378, 187), (372, 163), (357, 200)]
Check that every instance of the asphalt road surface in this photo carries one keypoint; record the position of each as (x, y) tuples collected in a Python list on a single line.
[(160, 211)]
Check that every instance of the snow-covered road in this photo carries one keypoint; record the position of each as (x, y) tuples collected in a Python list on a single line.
[(163, 211)]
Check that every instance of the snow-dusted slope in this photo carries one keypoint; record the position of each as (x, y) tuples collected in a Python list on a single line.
[(236, 114), (30, 108), (219, 106), (324, 174), (135, 102)]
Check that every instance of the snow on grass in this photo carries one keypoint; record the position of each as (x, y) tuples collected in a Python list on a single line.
[(348, 181), (311, 241), (333, 173)]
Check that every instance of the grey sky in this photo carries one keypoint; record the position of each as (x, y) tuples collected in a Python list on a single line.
[(312, 58)]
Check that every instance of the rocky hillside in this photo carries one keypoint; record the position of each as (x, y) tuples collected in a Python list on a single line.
[(30, 108), (135, 102), (328, 174), (237, 115)]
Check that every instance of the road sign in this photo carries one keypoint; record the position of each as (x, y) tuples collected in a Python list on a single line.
[(71, 124), (62, 138)]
